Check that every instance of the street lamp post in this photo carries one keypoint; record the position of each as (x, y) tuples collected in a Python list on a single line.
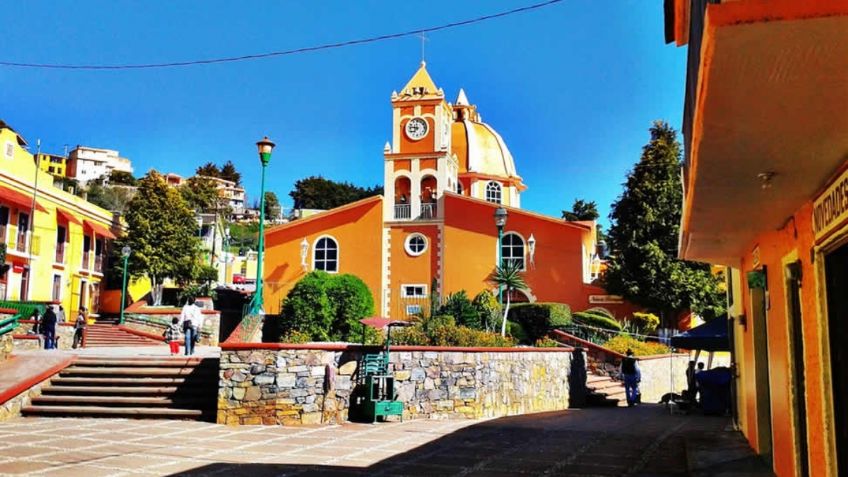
[(265, 146), (500, 223), (125, 255)]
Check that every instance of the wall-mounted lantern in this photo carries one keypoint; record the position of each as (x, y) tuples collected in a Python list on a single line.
[(531, 248), (304, 251)]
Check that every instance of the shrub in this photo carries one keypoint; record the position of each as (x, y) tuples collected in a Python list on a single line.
[(622, 343), (598, 310), (460, 307), (546, 342), (598, 321), (538, 319), (448, 334), (350, 301), (645, 322), (327, 307), (295, 336), (437, 321), (489, 309), (517, 332)]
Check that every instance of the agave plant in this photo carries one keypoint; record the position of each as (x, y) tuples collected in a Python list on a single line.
[(508, 277)]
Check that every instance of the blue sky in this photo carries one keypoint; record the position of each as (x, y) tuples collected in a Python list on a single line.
[(572, 88)]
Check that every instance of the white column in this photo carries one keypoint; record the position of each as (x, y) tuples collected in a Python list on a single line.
[(415, 192)]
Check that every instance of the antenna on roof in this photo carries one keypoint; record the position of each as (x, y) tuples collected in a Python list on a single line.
[(424, 38)]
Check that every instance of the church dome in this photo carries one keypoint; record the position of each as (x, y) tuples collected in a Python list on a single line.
[(478, 147)]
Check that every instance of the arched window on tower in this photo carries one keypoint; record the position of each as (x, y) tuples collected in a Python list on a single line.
[(493, 192), (512, 249), (326, 256), (459, 187)]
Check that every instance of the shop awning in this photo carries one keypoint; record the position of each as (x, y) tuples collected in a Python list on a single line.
[(99, 230), (64, 215), (18, 199), (711, 336)]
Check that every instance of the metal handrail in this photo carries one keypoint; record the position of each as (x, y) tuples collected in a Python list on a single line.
[(9, 324), (403, 211), (429, 211)]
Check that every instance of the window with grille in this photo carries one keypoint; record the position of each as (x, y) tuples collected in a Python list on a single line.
[(493, 192), (326, 255), (512, 249)]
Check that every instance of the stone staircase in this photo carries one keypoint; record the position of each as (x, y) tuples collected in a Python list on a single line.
[(110, 336), (134, 387), (605, 391)]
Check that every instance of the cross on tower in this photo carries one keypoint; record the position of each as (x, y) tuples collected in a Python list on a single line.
[(423, 38)]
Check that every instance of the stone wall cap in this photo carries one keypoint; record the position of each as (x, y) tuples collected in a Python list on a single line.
[(351, 347)]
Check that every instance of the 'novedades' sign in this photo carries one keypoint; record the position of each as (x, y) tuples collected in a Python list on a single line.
[(831, 208)]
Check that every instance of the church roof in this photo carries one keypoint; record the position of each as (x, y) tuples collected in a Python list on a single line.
[(421, 86)]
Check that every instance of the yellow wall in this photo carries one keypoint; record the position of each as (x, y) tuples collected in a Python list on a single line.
[(19, 174), (59, 168)]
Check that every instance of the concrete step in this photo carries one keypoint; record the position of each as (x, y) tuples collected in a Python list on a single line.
[(103, 411), (163, 361), (601, 385), (134, 390), (75, 370), (596, 378), (133, 381), (178, 401)]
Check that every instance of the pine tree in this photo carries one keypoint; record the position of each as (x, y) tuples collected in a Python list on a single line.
[(644, 267), (162, 234), (208, 170), (229, 172)]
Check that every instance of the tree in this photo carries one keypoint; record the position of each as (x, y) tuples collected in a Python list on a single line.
[(114, 199), (643, 266), (272, 206), (317, 192), (327, 307), (582, 210), (209, 170), (229, 172), (122, 178), (508, 277), (201, 194), (162, 233)]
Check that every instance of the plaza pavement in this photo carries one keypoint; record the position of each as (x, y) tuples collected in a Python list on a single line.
[(643, 441)]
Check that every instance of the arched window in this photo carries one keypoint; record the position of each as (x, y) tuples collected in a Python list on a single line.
[(493, 192), (459, 187), (512, 249), (326, 255)]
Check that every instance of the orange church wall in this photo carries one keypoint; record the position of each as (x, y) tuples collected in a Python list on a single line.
[(428, 164), (424, 145), (356, 227), (470, 232), (774, 247), (402, 165), (405, 269)]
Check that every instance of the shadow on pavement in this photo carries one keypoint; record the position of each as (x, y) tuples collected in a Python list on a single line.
[(643, 441)]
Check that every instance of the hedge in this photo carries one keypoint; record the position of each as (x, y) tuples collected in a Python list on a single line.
[(622, 343), (596, 320), (538, 319)]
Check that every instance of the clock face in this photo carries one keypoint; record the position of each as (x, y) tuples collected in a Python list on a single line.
[(416, 128)]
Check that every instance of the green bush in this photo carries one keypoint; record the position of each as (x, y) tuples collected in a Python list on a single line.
[(517, 332), (460, 307), (622, 343), (546, 342), (538, 319), (438, 321), (600, 311), (490, 311), (350, 301), (448, 334), (598, 321), (327, 307), (645, 322)]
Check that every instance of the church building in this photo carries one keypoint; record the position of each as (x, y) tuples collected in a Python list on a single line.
[(446, 172)]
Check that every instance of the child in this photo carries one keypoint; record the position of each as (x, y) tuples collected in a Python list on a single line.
[(172, 336)]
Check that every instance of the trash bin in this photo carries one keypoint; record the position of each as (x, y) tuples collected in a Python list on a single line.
[(714, 386)]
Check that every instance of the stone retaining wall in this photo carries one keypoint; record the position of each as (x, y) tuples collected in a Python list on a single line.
[(6, 346), (662, 374), (296, 385), (156, 324), (24, 339), (12, 408)]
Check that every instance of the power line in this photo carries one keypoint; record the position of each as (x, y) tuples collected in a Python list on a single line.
[(257, 56)]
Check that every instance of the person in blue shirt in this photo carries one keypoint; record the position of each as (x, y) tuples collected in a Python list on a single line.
[(632, 376)]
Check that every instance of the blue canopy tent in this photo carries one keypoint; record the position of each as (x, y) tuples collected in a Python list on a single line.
[(711, 336)]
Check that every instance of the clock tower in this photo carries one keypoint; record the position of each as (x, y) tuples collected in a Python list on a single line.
[(419, 165)]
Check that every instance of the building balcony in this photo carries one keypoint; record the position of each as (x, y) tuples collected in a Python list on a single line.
[(403, 212), (98, 263), (60, 253), (428, 211)]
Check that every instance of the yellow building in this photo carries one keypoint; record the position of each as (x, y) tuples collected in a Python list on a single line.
[(53, 164), (56, 243)]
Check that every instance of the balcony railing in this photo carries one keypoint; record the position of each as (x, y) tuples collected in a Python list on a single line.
[(21, 243), (98, 263), (428, 211), (60, 252), (403, 212)]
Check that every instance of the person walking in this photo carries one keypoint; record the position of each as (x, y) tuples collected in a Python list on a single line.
[(60, 314), (190, 317), (48, 328), (632, 377), (691, 384), (172, 336), (79, 328)]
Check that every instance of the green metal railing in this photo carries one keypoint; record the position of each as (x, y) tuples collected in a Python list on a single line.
[(24, 308), (9, 324)]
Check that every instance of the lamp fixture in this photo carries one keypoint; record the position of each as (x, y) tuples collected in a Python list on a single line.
[(531, 248), (304, 251)]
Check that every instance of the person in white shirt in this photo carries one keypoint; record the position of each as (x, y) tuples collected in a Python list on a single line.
[(192, 322)]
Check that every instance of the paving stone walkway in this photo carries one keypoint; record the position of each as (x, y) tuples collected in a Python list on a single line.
[(643, 441)]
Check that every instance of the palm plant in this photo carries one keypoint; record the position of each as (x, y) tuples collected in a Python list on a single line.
[(508, 277)]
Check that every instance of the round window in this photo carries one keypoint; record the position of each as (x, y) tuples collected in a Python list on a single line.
[(416, 244)]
